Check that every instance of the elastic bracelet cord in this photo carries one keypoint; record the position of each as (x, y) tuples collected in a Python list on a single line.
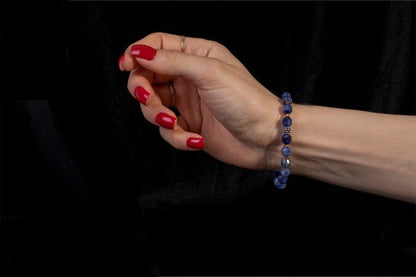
[(280, 178)]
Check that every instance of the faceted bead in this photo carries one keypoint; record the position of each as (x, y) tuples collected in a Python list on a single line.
[(282, 179), (287, 109), (280, 185), (285, 172), (285, 151), (287, 100), (285, 162), (286, 97), (287, 121), (286, 139)]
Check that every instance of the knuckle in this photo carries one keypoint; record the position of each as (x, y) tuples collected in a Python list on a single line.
[(218, 46), (170, 137), (146, 114), (131, 81), (215, 68), (155, 35), (209, 47), (174, 56)]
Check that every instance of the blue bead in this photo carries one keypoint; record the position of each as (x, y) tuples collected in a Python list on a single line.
[(287, 121), (280, 185), (287, 100), (287, 109), (286, 138), (285, 151), (286, 94), (285, 172), (282, 180)]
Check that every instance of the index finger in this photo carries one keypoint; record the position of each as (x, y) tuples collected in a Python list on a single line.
[(189, 45), (156, 41)]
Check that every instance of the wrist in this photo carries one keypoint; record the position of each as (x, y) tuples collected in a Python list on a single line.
[(274, 133), (303, 118)]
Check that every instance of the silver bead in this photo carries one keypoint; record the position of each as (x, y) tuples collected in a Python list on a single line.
[(286, 130), (286, 163)]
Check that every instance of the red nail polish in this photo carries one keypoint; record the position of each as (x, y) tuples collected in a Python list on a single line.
[(195, 143), (120, 61), (165, 120), (143, 52), (141, 94)]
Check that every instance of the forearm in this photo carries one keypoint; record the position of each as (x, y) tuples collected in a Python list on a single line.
[(370, 152)]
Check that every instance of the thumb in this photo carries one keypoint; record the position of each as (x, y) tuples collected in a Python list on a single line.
[(176, 63)]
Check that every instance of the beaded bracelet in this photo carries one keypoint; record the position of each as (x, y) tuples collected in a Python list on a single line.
[(280, 178)]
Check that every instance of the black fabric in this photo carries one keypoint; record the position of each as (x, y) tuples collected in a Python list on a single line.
[(88, 183)]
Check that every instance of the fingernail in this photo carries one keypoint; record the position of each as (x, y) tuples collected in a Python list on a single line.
[(195, 143), (165, 120), (120, 61), (141, 94), (143, 52)]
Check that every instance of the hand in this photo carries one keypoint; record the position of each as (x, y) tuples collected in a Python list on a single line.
[(223, 108)]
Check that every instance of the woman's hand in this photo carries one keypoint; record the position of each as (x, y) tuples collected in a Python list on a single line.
[(223, 109), (220, 102)]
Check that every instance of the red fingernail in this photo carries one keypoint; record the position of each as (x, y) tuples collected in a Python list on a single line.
[(165, 120), (143, 51), (141, 94), (120, 61), (195, 143)]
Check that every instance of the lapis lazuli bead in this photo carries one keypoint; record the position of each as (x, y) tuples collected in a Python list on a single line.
[(287, 109), (286, 139), (286, 94), (285, 172), (281, 179), (285, 162), (287, 100), (280, 185), (287, 121), (285, 151)]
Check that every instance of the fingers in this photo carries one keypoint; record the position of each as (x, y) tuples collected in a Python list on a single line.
[(172, 128), (182, 140), (157, 59), (154, 102), (166, 94), (173, 63), (139, 85), (194, 46), (154, 40), (142, 83)]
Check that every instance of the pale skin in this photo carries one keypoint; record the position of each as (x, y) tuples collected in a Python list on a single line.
[(239, 120)]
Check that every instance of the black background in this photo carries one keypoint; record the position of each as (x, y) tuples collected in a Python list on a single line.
[(88, 185)]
